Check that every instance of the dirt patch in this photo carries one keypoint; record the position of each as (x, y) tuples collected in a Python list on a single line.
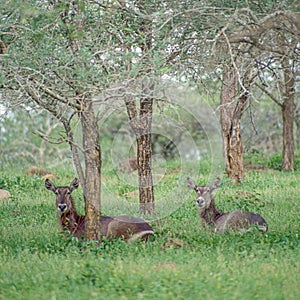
[(42, 173), (165, 265), (175, 243), (4, 194)]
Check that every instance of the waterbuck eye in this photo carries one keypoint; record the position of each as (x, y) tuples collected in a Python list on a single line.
[(56, 192), (68, 193)]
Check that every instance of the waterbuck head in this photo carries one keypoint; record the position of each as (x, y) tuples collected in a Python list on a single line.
[(204, 198), (64, 201)]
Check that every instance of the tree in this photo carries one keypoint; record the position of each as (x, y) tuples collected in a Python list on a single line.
[(141, 125), (280, 72), (146, 32), (232, 107), (140, 21), (274, 40), (47, 63), (278, 35)]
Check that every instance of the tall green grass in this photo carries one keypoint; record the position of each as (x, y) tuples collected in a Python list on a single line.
[(182, 262)]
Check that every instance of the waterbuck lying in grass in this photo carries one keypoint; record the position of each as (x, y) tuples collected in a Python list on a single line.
[(127, 227), (222, 222)]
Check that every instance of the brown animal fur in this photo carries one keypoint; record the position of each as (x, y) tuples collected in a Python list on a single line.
[(222, 222), (128, 165), (44, 174), (127, 227)]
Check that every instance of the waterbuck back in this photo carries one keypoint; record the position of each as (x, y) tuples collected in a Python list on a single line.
[(127, 227), (222, 222)]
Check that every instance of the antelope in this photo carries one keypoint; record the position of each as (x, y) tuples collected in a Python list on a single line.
[(220, 222), (127, 227)]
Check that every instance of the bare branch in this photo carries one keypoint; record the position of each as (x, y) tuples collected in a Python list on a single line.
[(56, 96), (269, 94)]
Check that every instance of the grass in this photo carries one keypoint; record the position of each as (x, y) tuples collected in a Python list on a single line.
[(182, 262)]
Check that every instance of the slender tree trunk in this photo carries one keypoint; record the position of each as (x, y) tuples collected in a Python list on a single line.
[(231, 113), (142, 124), (288, 120), (92, 184), (297, 122), (144, 157), (74, 149)]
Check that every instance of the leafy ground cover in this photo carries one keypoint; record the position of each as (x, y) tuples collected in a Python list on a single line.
[(182, 262)]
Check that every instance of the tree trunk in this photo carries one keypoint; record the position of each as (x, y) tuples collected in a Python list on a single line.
[(288, 120), (144, 157), (231, 113), (142, 125), (92, 183), (74, 149), (297, 122)]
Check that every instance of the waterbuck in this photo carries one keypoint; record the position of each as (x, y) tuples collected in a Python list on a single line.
[(127, 227), (238, 220)]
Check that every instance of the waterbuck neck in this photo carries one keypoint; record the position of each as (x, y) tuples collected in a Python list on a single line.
[(211, 214), (71, 220)]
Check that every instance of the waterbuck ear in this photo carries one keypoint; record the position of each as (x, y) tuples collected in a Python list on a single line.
[(190, 183), (74, 184), (215, 184), (49, 185)]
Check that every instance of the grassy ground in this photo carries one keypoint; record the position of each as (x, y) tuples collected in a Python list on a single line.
[(182, 262)]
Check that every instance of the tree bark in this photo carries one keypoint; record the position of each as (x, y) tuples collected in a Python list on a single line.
[(288, 120), (142, 124), (74, 149), (231, 110), (92, 183), (297, 123), (144, 157)]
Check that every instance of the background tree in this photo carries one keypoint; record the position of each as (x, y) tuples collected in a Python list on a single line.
[(232, 105), (146, 47), (278, 74), (279, 29), (274, 42), (137, 43), (48, 63)]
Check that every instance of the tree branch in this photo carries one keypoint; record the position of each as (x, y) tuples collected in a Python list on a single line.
[(263, 89)]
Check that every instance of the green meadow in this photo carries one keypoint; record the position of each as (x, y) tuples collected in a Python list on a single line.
[(182, 261)]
